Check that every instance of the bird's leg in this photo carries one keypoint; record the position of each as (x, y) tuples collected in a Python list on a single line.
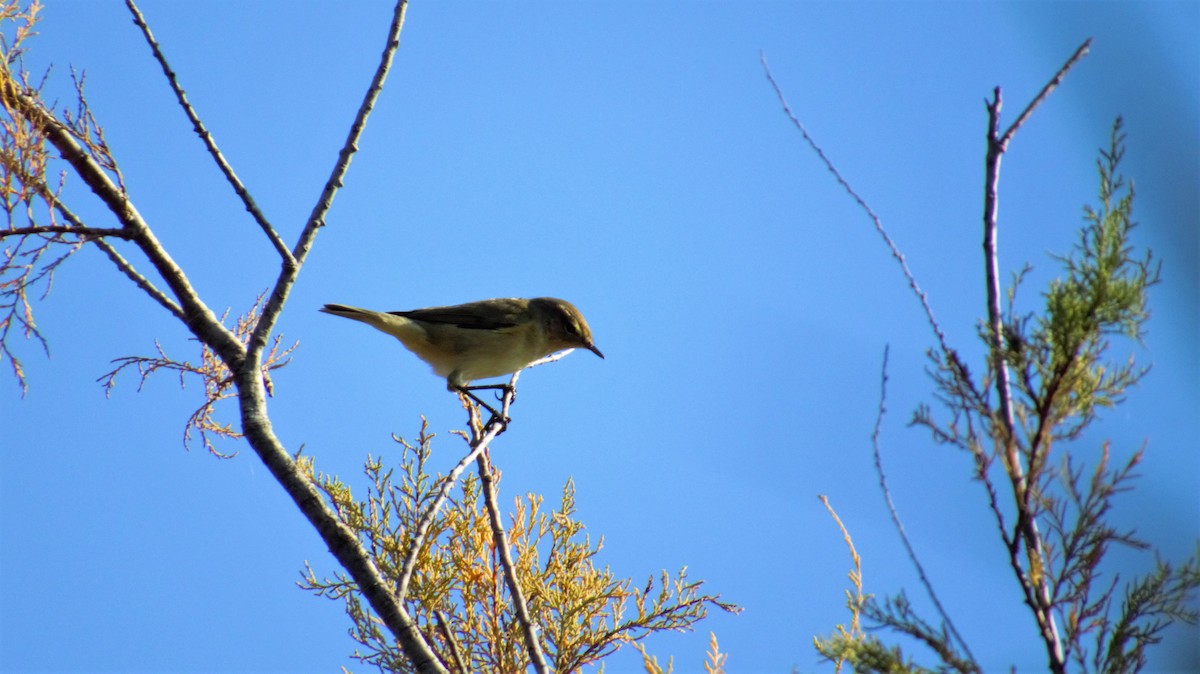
[(500, 389), (496, 416)]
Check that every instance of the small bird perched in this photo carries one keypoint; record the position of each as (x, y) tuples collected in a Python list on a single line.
[(483, 339)]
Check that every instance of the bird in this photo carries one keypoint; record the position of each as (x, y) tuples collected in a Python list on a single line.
[(483, 339)]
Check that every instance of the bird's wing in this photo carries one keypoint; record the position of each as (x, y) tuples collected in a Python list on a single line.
[(484, 315)]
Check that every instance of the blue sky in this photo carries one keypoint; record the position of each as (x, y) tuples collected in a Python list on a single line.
[(635, 161)]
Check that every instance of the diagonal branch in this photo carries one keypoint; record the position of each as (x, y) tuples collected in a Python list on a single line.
[(209, 142), (140, 281), (478, 446), (95, 235), (887, 239), (198, 317), (529, 631), (1050, 86), (887, 497), (316, 219)]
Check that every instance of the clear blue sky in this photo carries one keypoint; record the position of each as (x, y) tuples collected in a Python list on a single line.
[(634, 160)]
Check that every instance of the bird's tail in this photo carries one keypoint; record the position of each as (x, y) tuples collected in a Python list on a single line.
[(397, 326), (346, 312)]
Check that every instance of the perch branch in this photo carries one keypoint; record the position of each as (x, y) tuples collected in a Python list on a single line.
[(528, 630), (478, 445)]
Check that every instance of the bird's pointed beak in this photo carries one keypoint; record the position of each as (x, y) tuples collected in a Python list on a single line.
[(593, 349)]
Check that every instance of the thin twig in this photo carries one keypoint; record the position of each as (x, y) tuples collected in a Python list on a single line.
[(316, 219), (533, 645), (140, 281), (887, 497), (529, 631), (478, 445), (887, 239), (1050, 86), (83, 232), (209, 142), (444, 627)]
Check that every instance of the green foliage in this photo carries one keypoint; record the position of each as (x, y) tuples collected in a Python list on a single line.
[(1151, 604), (1062, 377), (866, 654), (584, 612), (1059, 357)]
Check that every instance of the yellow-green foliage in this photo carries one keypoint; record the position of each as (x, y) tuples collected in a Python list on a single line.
[(583, 611)]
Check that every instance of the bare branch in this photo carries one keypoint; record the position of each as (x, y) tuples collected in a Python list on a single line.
[(316, 219), (448, 636), (82, 232), (209, 142), (481, 438), (887, 497), (478, 445), (140, 281), (1050, 86), (887, 239)]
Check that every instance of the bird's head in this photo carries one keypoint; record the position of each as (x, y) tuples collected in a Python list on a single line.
[(565, 326)]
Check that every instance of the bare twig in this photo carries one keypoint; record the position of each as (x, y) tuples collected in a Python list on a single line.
[(478, 445), (887, 239), (887, 497), (82, 232), (1050, 86), (316, 219), (482, 438), (209, 142), (140, 281), (529, 630)]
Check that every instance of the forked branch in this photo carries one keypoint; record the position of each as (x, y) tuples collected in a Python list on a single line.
[(1034, 581)]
